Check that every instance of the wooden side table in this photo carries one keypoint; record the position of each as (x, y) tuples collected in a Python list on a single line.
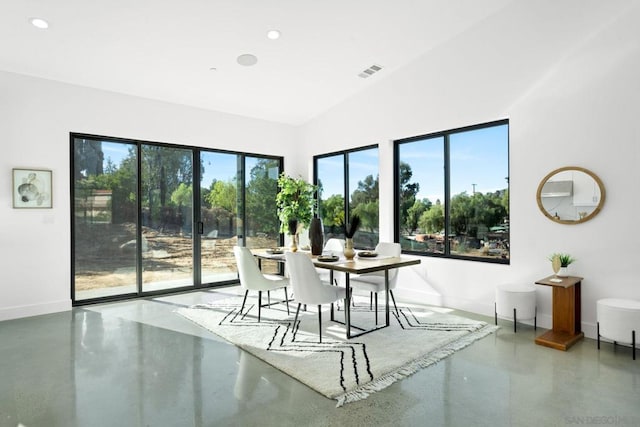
[(566, 313)]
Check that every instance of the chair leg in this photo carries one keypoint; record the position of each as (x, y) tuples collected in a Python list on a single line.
[(259, 304), (598, 333), (286, 300), (295, 322), (320, 322), (244, 300), (633, 344), (514, 320), (495, 312), (535, 318), (269, 297), (394, 302), (371, 300)]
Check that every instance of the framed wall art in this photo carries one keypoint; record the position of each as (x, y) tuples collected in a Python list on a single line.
[(32, 189)]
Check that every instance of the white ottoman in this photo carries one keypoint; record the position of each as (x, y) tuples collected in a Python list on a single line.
[(618, 320), (516, 302)]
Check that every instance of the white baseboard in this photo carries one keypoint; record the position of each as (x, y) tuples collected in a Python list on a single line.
[(8, 313), (544, 320)]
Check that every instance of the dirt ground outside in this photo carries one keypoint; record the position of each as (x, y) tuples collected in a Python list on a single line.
[(105, 256)]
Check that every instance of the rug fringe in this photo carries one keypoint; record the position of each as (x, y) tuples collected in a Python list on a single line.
[(434, 357)]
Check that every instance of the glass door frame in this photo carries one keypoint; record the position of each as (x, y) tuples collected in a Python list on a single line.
[(196, 216)]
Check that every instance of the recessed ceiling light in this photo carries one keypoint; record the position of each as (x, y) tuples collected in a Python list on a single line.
[(39, 23), (247, 59), (273, 34)]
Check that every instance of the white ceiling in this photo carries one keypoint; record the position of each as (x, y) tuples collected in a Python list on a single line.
[(165, 49)]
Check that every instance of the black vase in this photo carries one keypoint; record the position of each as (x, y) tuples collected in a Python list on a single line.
[(316, 236)]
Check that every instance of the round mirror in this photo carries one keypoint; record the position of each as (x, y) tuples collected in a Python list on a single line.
[(570, 195)]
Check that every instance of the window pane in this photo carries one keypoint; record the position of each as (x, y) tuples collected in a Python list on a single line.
[(422, 200), (454, 193), (363, 190), (167, 205), (261, 188), (113, 188), (330, 173), (218, 213), (479, 192), (105, 218)]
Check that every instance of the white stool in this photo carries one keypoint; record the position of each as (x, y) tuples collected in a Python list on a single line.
[(517, 302), (618, 320)]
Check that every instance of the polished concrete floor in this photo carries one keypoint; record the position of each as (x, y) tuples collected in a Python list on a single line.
[(137, 363)]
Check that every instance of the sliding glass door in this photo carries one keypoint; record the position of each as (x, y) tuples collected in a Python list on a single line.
[(105, 220), (141, 226), (167, 217), (261, 188), (219, 200)]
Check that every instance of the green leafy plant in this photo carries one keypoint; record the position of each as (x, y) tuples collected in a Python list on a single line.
[(295, 200), (565, 259)]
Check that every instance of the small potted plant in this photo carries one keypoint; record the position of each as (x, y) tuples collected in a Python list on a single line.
[(560, 263)]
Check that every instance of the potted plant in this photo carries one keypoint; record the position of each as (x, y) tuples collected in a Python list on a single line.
[(560, 263), (295, 201)]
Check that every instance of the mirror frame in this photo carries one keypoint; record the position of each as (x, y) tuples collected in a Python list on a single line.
[(565, 221)]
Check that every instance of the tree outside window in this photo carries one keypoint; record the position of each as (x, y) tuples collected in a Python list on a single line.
[(452, 189)]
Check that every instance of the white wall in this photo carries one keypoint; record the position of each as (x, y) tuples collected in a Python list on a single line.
[(36, 117), (566, 75)]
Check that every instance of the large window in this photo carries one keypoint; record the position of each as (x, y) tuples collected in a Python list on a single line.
[(145, 220), (348, 186), (452, 193)]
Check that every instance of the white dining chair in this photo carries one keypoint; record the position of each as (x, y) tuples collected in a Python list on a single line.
[(309, 289), (335, 247), (252, 279), (374, 282)]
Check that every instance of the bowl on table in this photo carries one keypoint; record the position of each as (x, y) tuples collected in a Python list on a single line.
[(367, 254), (328, 258)]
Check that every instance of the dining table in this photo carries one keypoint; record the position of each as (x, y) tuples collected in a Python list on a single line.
[(358, 265)]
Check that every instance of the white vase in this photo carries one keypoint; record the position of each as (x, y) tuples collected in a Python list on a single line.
[(563, 272), (349, 252)]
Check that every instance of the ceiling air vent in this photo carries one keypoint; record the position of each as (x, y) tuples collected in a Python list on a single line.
[(370, 71)]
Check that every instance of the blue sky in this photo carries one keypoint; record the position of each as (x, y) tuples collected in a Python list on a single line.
[(361, 164), (221, 166), (477, 157), (116, 151)]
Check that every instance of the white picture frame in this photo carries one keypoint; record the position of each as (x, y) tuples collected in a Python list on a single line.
[(32, 188)]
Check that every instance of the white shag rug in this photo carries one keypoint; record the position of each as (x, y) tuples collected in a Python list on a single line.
[(341, 369)]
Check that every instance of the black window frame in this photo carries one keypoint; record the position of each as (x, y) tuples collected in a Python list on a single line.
[(196, 150), (446, 134), (345, 155)]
